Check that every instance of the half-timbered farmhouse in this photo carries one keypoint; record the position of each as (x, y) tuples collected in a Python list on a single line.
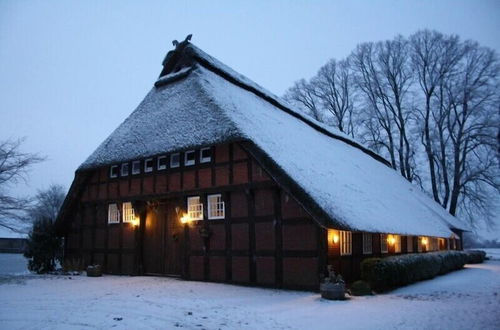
[(214, 178)]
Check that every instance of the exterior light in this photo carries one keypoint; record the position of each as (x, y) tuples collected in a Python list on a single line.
[(424, 240), (135, 222), (391, 239), (335, 238), (185, 218)]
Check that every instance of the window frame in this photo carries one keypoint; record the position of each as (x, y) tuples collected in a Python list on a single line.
[(366, 245), (111, 168), (189, 162), (205, 159), (117, 215), (172, 156), (384, 243), (161, 167), (128, 213), (345, 243), (136, 169), (209, 207), (397, 243), (122, 172), (200, 211), (148, 169)]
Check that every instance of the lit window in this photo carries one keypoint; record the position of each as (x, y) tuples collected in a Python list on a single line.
[(148, 165), (113, 213), (113, 171), (206, 155), (215, 207), (367, 243), (420, 243), (383, 243), (189, 158), (124, 170), (345, 243), (175, 160), (397, 243), (128, 212), (162, 162), (409, 244), (136, 167), (195, 208)]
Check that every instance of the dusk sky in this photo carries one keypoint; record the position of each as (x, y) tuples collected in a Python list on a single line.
[(72, 71)]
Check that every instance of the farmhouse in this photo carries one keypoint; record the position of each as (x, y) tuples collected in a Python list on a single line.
[(214, 178)]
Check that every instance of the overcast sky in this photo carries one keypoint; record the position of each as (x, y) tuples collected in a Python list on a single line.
[(72, 71)]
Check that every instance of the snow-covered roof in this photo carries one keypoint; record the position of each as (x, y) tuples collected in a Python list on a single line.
[(209, 103)]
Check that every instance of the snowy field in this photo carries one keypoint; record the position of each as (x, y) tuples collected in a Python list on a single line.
[(466, 299), (13, 264)]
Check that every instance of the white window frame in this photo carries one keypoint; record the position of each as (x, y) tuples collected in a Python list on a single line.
[(147, 168), (161, 167), (409, 244), (205, 159), (345, 243), (367, 243), (122, 172), (195, 208), (397, 243), (189, 162), (220, 208), (384, 246), (172, 164), (128, 212), (113, 167), (136, 167), (113, 213)]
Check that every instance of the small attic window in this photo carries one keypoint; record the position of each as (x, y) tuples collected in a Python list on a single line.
[(189, 158), (136, 167), (175, 160), (206, 155), (162, 163), (148, 165), (124, 169), (113, 171)]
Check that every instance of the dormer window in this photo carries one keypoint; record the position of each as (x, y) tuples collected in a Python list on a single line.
[(113, 171), (136, 167), (189, 158), (148, 165), (124, 169), (162, 163), (175, 160), (206, 155)]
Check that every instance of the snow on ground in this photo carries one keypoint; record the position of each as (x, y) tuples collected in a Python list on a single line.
[(13, 264), (466, 299)]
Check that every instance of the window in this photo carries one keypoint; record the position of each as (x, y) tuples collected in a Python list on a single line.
[(419, 243), (206, 155), (175, 160), (409, 244), (345, 243), (397, 243), (128, 212), (162, 163), (189, 158), (215, 207), (113, 171), (367, 243), (124, 170), (136, 167), (195, 208), (148, 165), (113, 213), (383, 243)]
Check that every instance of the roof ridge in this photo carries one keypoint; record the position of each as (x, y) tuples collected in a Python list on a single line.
[(207, 61)]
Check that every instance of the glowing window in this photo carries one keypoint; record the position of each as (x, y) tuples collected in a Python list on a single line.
[(397, 243), (195, 208), (128, 212)]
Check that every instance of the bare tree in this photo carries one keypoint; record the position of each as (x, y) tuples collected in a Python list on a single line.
[(48, 202), (303, 95), (14, 166)]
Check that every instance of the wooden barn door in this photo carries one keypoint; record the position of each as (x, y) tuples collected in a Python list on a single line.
[(173, 239), (154, 233)]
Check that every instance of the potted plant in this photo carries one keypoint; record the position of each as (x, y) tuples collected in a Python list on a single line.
[(333, 286)]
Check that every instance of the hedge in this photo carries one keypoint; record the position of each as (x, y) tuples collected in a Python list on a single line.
[(391, 272)]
